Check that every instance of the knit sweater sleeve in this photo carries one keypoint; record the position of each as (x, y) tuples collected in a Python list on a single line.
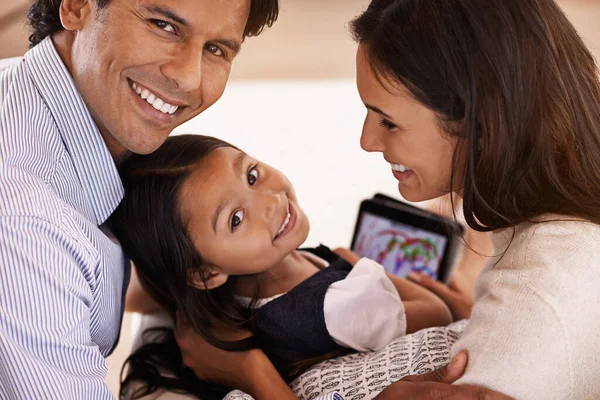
[(535, 328)]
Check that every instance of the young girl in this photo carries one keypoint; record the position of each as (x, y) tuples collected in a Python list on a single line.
[(214, 233)]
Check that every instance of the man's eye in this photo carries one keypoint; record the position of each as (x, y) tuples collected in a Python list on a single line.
[(214, 49), (237, 219), (252, 176), (165, 26)]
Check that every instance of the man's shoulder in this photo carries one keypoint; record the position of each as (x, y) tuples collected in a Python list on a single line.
[(24, 194), (7, 63), (9, 70)]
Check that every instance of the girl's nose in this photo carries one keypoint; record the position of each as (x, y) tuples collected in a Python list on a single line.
[(273, 202)]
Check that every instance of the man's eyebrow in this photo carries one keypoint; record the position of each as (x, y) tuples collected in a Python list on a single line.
[(233, 45), (167, 13), (238, 164), (378, 111)]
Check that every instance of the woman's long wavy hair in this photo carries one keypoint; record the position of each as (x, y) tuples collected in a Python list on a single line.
[(518, 80), (44, 17), (153, 232)]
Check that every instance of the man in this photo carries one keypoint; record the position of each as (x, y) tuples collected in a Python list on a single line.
[(104, 78)]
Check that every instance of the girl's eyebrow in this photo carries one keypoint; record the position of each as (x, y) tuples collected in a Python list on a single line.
[(215, 216), (238, 165)]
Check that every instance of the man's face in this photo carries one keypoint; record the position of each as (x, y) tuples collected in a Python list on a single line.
[(144, 67)]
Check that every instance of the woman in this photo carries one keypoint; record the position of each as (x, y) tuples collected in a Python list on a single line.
[(499, 103)]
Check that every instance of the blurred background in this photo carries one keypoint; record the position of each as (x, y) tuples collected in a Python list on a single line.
[(292, 103)]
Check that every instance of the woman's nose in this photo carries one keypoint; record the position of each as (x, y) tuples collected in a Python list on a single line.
[(371, 139)]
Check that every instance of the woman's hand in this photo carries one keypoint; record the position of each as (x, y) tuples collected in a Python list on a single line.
[(436, 385), (249, 371), (456, 297)]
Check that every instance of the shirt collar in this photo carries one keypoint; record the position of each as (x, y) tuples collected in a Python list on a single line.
[(93, 162)]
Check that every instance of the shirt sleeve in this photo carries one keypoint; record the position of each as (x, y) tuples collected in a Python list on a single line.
[(46, 350), (364, 312)]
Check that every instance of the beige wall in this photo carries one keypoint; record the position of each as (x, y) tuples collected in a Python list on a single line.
[(309, 40)]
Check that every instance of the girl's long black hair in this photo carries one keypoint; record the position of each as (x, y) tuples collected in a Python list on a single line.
[(153, 234)]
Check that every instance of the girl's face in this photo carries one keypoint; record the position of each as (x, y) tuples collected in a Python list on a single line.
[(407, 133), (242, 215)]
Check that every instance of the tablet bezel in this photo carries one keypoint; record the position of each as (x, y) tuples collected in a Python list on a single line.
[(437, 225)]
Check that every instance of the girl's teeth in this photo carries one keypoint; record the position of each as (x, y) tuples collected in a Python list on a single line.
[(151, 98), (285, 223), (145, 93)]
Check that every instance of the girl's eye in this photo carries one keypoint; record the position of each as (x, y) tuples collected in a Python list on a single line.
[(214, 49), (387, 124), (252, 176), (165, 26), (237, 219)]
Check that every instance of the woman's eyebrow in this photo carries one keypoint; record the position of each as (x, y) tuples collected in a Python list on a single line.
[(378, 111)]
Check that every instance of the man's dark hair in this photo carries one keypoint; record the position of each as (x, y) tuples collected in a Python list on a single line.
[(44, 17)]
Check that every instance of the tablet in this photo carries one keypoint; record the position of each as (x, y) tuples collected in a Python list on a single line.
[(405, 239)]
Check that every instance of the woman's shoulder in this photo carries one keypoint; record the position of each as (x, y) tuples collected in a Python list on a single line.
[(551, 241), (555, 262)]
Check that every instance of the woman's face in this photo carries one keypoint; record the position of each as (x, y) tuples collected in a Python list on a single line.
[(243, 216), (407, 133)]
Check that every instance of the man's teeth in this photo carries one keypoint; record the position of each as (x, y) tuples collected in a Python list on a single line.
[(285, 224), (154, 100), (400, 168)]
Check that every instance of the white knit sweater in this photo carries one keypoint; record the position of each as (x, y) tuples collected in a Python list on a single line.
[(534, 332)]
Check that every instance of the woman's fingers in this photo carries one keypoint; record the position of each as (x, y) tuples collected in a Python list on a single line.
[(460, 303), (447, 374)]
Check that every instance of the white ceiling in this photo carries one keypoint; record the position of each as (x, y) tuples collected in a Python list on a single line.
[(309, 40)]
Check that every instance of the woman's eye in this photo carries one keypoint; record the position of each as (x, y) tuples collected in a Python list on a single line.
[(252, 176), (214, 49), (165, 26), (237, 219), (387, 124)]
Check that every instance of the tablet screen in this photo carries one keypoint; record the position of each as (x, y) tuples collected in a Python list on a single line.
[(400, 248)]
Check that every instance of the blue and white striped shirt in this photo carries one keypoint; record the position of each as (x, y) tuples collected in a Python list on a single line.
[(62, 278)]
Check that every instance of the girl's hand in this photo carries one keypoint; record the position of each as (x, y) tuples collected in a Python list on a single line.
[(249, 371), (457, 297), (347, 255)]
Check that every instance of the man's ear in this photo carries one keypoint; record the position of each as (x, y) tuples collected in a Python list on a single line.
[(74, 13), (207, 279)]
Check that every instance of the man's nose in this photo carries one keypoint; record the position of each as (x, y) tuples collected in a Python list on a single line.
[(185, 68)]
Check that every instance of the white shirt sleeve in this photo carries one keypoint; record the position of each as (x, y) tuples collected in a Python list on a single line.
[(364, 311)]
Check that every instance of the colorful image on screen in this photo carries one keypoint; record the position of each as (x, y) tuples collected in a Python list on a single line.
[(401, 249)]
